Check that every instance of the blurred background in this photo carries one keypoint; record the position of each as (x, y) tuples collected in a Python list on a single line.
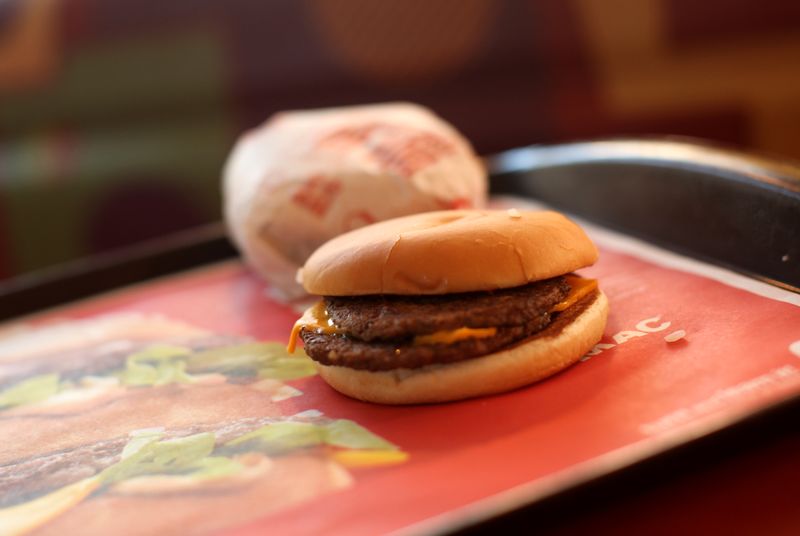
[(116, 116)]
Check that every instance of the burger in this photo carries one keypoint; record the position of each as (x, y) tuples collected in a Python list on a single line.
[(448, 305)]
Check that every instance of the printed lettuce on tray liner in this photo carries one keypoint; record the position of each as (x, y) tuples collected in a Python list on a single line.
[(203, 412), (159, 461)]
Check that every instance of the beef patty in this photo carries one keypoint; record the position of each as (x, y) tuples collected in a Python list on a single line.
[(393, 318), (376, 355)]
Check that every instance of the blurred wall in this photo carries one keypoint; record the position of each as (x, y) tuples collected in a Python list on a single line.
[(116, 115)]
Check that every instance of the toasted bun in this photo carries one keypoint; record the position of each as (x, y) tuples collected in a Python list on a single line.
[(520, 365), (448, 251)]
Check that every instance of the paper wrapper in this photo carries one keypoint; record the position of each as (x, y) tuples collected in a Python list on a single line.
[(305, 177)]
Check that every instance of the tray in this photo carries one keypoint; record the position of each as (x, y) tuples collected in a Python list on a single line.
[(633, 409)]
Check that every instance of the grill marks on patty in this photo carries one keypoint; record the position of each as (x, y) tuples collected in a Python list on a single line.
[(381, 328), (394, 318)]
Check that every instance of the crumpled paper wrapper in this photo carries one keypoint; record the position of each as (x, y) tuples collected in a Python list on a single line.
[(305, 177)]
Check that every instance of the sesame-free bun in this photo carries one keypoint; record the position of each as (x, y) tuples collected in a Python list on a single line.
[(448, 251), (517, 366)]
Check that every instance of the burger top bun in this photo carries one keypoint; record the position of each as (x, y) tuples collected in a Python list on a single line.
[(449, 251)]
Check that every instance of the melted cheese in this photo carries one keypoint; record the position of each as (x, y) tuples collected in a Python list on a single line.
[(315, 318), (453, 335), (579, 288)]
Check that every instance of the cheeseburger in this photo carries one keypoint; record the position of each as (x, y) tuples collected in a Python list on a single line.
[(449, 305)]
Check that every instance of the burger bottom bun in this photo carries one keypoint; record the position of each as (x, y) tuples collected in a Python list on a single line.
[(520, 365)]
